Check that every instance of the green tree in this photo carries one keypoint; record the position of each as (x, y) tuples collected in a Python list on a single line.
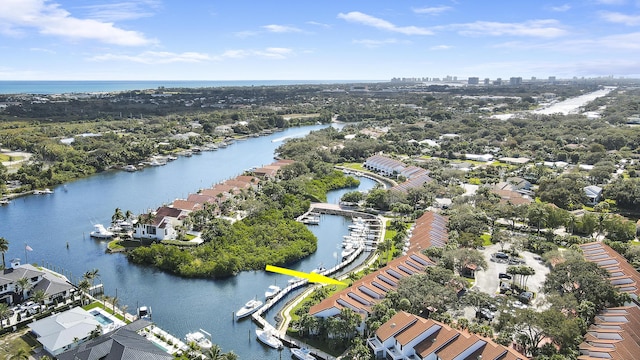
[(22, 285), (4, 247), (4, 314)]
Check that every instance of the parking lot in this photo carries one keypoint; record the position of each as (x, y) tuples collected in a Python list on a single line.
[(488, 281)]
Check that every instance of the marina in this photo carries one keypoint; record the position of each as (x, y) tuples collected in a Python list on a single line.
[(206, 304)]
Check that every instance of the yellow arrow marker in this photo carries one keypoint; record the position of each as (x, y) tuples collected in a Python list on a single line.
[(312, 277)]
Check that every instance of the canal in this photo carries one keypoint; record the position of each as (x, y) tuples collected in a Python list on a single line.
[(56, 226)]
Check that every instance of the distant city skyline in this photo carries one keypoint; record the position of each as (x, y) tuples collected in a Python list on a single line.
[(331, 40)]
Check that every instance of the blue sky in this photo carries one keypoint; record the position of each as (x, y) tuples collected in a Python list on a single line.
[(319, 40)]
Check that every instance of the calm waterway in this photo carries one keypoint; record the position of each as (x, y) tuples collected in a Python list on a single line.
[(47, 223)]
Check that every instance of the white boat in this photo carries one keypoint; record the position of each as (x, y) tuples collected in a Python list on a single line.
[(129, 168), (268, 337), (200, 339), (302, 354), (144, 312), (43, 192), (100, 232), (347, 252), (249, 308), (272, 291)]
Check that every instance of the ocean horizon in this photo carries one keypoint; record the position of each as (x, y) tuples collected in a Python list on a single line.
[(45, 87)]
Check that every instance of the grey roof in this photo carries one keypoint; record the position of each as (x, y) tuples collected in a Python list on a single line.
[(52, 287), (121, 344), (56, 331), (9, 276), (592, 190)]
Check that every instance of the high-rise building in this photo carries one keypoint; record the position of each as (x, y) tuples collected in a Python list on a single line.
[(473, 80), (514, 81)]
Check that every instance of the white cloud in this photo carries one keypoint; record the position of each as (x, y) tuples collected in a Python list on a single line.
[(378, 43), (268, 53), (626, 42), (561, 8), (364, 19), (441, 47), (281, 28), (315, 23), (49, 18), (620, 18), (434, 10), (128, 10), (532, 28), (155, 57)]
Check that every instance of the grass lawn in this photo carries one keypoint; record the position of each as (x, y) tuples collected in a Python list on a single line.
[(354, 166), (115, 245), (11, 343)]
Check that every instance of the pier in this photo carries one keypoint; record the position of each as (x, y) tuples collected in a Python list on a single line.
[(373, 221)]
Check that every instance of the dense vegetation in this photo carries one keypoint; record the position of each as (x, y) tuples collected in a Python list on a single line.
[(268, 235)]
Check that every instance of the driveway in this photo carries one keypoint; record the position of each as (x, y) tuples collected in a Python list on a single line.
[(487, 280)]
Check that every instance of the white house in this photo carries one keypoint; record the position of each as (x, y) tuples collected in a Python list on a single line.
[(61, 332), (384, 165), (594, 194), (161, 225), (55, 286)]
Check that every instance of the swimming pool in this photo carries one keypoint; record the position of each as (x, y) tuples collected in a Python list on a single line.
[(102, 319)]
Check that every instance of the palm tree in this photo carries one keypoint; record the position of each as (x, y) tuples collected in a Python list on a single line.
[(39, 296), (84, 285), (230, 356), (213, 353), (4, 247), (91, 275), (22, 285), (117, 215), (21, 354)]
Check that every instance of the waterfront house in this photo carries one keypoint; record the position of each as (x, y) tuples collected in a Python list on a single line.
[(408, 336), (159, 225), (55, 286), (120, 344), (63, 331), (384, 165)]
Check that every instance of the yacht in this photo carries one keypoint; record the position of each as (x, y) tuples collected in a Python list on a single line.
[(144, 312), (302, 354), (129, 168), (43, 192), (100, 232), (272, 291), (267, 336), (200, 339), (249, 308)]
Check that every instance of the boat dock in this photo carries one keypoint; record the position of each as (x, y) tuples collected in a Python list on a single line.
[(320, 208)]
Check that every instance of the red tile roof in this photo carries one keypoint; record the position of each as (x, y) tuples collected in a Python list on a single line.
[(441, 339), (614, 335), (429, 230)]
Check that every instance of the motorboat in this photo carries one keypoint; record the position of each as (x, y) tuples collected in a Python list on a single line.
[(144, 312), (347, 252), (272, 291), (249, 308), (130, 168), (302, 354), (200, 339), (267, 336), (99, 232), (319, 270), (43, 192)]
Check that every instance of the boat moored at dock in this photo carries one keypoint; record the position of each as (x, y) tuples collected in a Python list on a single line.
[(249, 308), (99, 232), (200, 339)]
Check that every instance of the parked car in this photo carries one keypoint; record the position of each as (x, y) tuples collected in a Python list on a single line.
[(484, 314), (525, 297), (501, 255), (34, 309), (504, 287), (504, 276)]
